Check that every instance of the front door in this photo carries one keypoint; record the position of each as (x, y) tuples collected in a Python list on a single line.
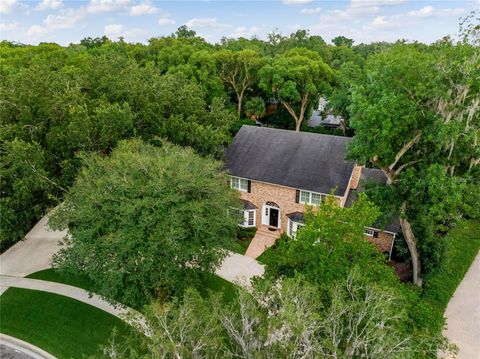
[(274, 217)]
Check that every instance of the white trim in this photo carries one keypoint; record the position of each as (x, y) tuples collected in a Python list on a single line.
[(291, 225), (381, 230), (310, 193), (369, 234), (239, 182), (294, 188), (266, 217)]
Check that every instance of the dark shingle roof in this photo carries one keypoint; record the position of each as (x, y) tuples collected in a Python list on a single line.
[(296, 217), (308, 161), (371, 175), (248, 204)]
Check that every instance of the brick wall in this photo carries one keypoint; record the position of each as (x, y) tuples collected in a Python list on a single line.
[(356, 173), (383, 242), (284, 197)]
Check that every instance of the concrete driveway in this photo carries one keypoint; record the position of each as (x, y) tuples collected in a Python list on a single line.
[(240, 269), (463, 314), (32, 254)]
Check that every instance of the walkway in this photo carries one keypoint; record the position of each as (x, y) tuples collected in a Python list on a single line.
[(239, 269), (32, 254), (463, 314), (264, 238), (65, 290)]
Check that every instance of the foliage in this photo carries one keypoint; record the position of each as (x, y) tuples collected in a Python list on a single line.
[(280, 319), (462, 245), (142, 217), (296, 78), (246, 232), (342, 41), (329, 246), (409, 123), (62, 326), (238, 70), (24, 188), (54, 275), (255, 108)]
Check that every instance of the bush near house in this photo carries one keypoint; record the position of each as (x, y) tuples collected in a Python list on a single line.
[(462, 244)]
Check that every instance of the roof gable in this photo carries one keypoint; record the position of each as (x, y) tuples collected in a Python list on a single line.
[(303, 160)]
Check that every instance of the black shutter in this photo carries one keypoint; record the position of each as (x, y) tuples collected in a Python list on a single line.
[(375, 234), (249, 186), (297, 196)]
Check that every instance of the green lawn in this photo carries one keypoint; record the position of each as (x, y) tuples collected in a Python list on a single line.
[(53, 275), (60, 325), (240, 245), (212, 283)]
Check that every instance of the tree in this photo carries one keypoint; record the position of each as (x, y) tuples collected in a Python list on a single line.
[(238, 70), (145, 220), (184, 32), (400, 131), (296, 78), (331, 243), (342, 41), (286, 318), (255, 108), (24, 186)]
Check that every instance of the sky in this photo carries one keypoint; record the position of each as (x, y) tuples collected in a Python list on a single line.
[(67, 21)]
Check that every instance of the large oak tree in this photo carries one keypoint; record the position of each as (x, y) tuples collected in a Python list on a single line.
[(145, 220)]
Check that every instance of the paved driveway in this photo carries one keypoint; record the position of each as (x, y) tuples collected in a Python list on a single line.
[(32, 254), (239, 269), (463, 314)]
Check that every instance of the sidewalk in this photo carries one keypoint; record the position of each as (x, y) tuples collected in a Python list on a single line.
[(463, 314)]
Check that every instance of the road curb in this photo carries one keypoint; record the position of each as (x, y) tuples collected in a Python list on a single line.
[(25, 347)]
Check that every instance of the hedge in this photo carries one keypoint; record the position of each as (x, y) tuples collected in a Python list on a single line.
[(462, 244)]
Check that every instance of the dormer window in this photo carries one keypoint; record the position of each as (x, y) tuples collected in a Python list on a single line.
[(239, 183)]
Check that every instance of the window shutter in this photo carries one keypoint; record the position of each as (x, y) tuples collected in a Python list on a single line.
[(249, 190), (297, 196), (375, 234)]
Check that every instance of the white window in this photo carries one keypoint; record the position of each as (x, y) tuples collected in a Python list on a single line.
[(294, 227), (369, 232), (312, 198), (239, 183), (246, 218)]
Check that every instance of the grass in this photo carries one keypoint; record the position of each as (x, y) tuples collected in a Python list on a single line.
[(212, 283), (240, 245), (62, 326), (54, 275), (462, 244)]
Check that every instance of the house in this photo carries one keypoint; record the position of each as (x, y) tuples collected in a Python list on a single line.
[(319, 118), (280, 172)]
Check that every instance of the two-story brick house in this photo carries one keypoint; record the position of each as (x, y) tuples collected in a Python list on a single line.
[(280, 172)]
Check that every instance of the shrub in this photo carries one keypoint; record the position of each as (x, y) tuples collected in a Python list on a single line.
[(462, 244), (246, 233)]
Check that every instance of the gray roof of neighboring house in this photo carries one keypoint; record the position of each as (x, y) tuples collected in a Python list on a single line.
[(248, 204), (370, 175), (317, 120), (296, 217), (303, 160)]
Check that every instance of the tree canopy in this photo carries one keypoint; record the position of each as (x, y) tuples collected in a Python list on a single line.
[(143, 218)]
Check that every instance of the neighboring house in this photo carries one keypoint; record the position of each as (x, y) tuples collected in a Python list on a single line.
[(328, 120), (280, 172)]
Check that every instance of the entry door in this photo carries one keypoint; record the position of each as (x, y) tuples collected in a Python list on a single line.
[(274, 217)]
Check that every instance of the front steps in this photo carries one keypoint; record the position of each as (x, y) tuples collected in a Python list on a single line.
[(264, 238)]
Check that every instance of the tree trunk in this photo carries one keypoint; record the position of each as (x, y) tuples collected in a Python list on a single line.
[(239, 105), (412, 245)]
